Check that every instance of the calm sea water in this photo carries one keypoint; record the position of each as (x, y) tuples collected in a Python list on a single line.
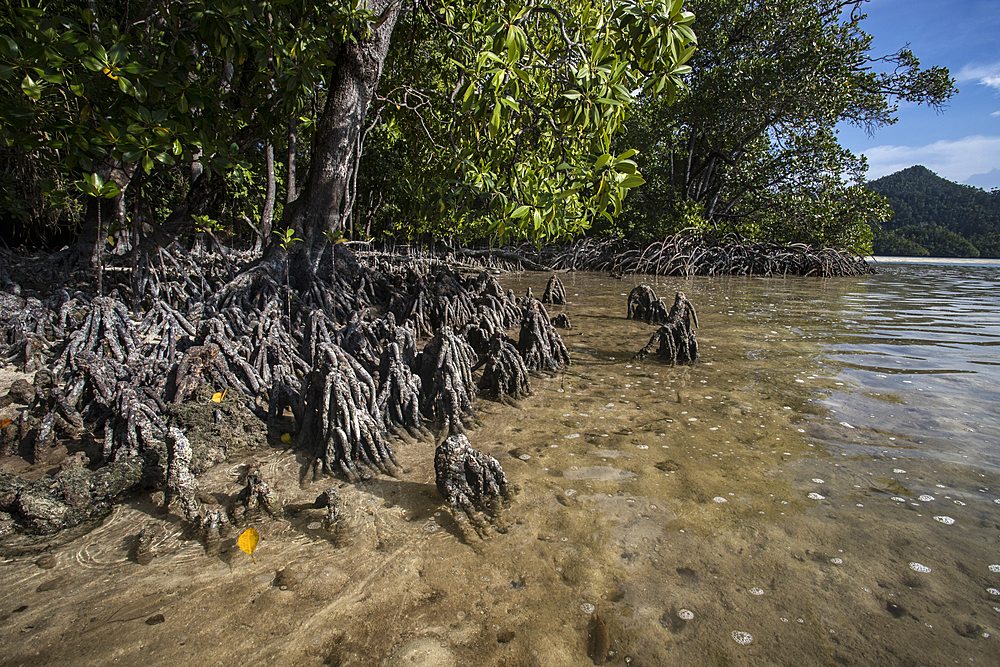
[(821, 488)]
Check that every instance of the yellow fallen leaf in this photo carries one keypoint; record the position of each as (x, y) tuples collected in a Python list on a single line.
[(5, 422), (286, 438), (248, 542), (219, 395)]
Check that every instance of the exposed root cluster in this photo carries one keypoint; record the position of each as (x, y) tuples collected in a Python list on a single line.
[(643, 305), (398, 397), (539, 343), (342, 425), (446, 375), (471, 482), (554, 292), (505, 377), (675, 341)]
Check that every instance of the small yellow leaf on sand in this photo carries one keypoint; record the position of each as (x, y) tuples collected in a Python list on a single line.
[(219, 395), (286, 438), (248, 542)]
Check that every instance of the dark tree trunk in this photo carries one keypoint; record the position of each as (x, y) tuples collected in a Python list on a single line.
[(324, 200), (267, 215)]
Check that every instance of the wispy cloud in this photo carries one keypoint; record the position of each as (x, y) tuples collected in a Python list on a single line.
[(987, 75), (954, 160), (995, 113)]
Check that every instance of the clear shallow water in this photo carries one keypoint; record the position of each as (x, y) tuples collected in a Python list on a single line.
[(821, 488)]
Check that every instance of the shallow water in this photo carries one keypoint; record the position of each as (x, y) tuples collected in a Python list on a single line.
[(823, 487)]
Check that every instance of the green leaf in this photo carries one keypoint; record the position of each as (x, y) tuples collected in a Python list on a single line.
[(110, 190), (31, 88), (632, 181), (520, 212), (494, 127), (147, 163), (9, 47), (601, 161)]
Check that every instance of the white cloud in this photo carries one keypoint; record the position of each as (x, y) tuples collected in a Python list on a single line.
[(954, 160), (995, 113), (988, 75)]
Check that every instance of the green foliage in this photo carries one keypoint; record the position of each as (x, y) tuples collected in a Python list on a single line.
[(286, 238), (165, 85), (753, 140), (517, 107), (942, 218)]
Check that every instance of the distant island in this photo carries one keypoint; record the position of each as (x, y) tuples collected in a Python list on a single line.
[(936, 217)]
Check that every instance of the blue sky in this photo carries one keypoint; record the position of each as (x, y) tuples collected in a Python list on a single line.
[(962, 142)]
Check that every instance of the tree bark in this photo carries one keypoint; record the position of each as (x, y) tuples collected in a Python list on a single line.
[(335, 150), (267, 215), (293, 138)]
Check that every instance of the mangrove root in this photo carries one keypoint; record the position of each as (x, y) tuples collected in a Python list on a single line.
[(675, 341), (562, 321), (341, 424), (643, 305), (554, 292), (471, 482), (505, 376), (538, 342), (446, 375)]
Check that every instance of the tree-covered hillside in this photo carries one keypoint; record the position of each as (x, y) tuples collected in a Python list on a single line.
[(934, 216)]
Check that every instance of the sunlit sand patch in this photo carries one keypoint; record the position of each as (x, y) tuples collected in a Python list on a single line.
[(600, 473)]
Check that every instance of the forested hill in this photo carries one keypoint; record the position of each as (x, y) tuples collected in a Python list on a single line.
[(937, 217)]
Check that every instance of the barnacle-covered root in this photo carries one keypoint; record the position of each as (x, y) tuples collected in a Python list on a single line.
[(446, 376), (539, 343), (675, 341), (341, 424), (505, 377), (472, 482)]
